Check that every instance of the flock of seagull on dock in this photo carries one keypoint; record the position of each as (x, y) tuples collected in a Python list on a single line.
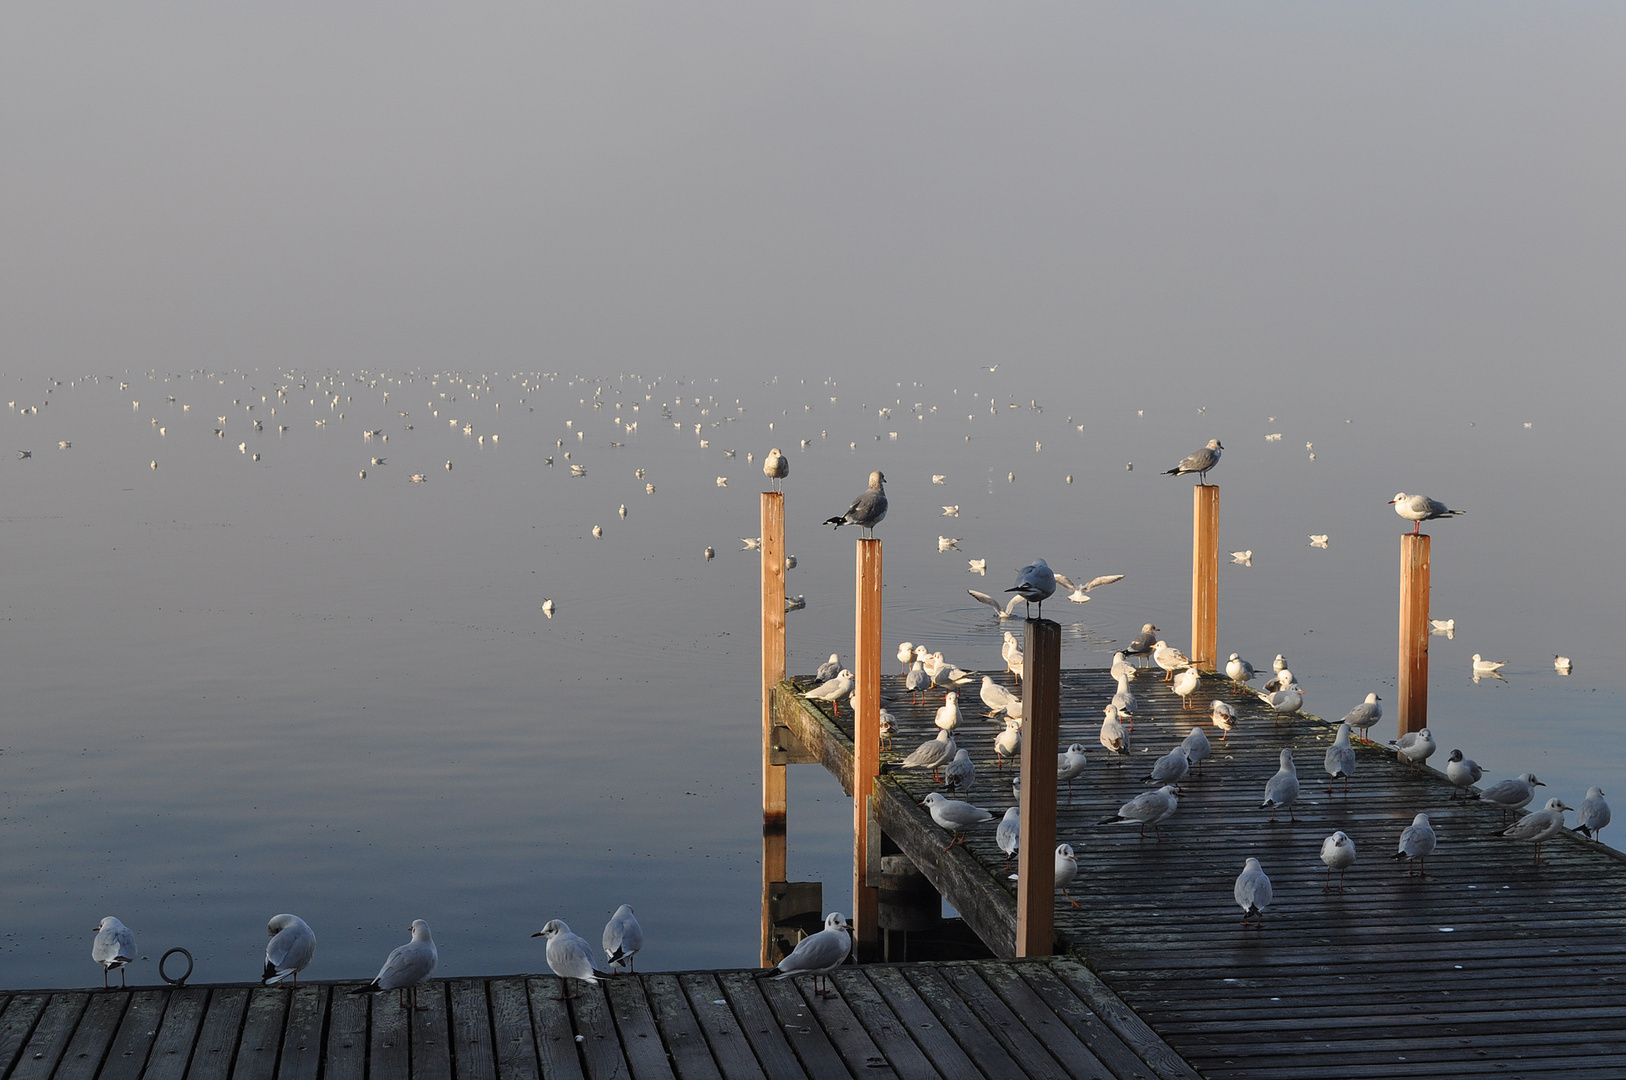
[(951, 763)]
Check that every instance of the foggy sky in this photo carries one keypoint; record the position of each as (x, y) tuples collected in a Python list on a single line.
[(1302, 195)]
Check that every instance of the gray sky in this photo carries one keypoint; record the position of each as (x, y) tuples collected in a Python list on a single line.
[(1154, 189)]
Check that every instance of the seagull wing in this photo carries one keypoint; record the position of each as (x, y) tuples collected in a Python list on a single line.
[(1096, 583)]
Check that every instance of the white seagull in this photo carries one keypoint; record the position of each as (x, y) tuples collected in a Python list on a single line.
[(113, 948), (1338, 852), (623, 937), (1035, 584), (1339, 760), (1147, 808), (1421, 508), (569, 956), (1415, 748), (405, 967), (1252, 891), (1544, 824), (1463, 772), (1593, 814), (954, 815), (1363, 716), (1283, 788), (776, 466), (1008, 833), (868, 509), (1514, 794), (819, 954), (1417, 842), (1199, 462), (1006, 612), (290, 949)]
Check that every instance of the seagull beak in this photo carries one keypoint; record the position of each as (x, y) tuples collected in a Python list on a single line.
[(538, 934), (1538, 784)]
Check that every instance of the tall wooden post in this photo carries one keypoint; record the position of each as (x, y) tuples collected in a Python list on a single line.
[(1205, 576), (773, 672), (866, 703), (1036, 851), (1414, 627)]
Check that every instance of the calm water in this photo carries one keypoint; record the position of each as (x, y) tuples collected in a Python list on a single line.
[(237, 687)]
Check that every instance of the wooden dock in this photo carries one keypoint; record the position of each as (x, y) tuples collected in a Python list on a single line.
[(999, 1020), (1489, 966)]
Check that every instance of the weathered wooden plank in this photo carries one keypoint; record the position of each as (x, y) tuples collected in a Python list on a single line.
[(803, 1030), (1032, 989), (389, 1037), (635, 1023), (471, 1030), (852, 1040), (761, 1029), (935, 1038), (177, 1036), (16, 1024), (51, 1034), (348, 1034), (601, 1049), (555, 1037), (218, 1037), (431, 1040), (1030, 1052), (261, 1040), (686, 1043), (1147, 1045), (725, 1032), (863, 1004), (127, 1057), (301, 1057), (94, 1033), (513, 1038)]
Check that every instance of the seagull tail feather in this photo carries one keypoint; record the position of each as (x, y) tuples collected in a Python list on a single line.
[(369, 988)]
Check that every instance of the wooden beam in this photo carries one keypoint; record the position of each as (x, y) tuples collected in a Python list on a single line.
[(773, 672), (1036, 855), (1204, 576), (866, 701), (1414, 630)]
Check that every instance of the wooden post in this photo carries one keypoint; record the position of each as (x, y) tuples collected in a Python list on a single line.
[(1414, 628), (1205, 576), (1036, 853), (866, 703), (773, 672)]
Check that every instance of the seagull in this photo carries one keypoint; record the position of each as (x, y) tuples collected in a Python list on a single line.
[(1239, 671), (1006, 612), (939, 478), (1514, 794), (1223, 714), (833, 690), (906, 655), (1544, 824), (1008, 742), (405, 967), (547, 607), (1593, 814), (1318, 540), (1197, 747), (932, 754), (1340, 760), (954, 815), (1185, 684), (623, 937), (1066, 870), (290, 949), (1363, 716), (948, 714), (917, 679), (1562, 665), (1114, 736), (1279, 664), (1008, 833), (1122, 669), (752, 543), (952, 511), (1171, 768), (1487, 667), (113, 948), (1463, 772), (1421, 508), (829, 669), (996, 697), (1035, 583), (1280, 681), (1170, 659), (819, 954), (979, 566), (868, 509), (1252, 892), (1285, 702), (776, 466), (1199, 462), (569, 956), (1283, 788), (1416, 844), (1243, 557), (960, 773), (1147, 808), (1070, 766), (1338, 852), (1415, 747), (888, 725), (947, 543), (1448, 627), (1144, 642)]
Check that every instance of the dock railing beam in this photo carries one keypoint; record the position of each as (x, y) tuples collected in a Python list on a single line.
[(866, 701), (773, 672), (1205, 576), (1036, 851), (1414, 629)]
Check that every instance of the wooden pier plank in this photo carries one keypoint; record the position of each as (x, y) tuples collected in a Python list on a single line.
[(936, 1040), (389, 1037), (725, 1032), (301, 1056), (177, 1036), (22, 1012), (864, 1003), (471, 1030), (601, 1048), (801, 1027), (431, 1037), (261, 1040), (514, 1039), (686, 1043), (218, 1036), (760, 1027), (635, 1025), (348, 1034), (92, 1036), (1030, 990), (851, 1039), (555, 1037), (127, 1057), (1035, 1054), (50, 1037)]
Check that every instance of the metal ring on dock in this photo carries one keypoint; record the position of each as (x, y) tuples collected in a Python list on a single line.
[(187, 974)]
